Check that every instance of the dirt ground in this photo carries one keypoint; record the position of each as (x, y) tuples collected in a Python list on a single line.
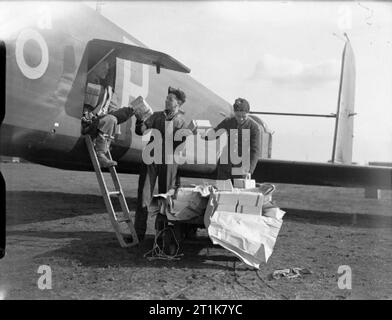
[(57, 218)]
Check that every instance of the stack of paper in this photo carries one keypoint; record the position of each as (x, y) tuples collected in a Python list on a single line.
[(141, 108), (92, 94), (199, 124)]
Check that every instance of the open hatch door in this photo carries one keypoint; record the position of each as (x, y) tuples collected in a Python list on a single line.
[(128, 80), (141, 55), (98, 50)]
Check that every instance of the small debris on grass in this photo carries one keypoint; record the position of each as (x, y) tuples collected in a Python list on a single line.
[(290, 273)]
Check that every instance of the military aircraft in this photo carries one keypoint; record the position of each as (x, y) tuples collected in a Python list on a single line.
[(45, 58)]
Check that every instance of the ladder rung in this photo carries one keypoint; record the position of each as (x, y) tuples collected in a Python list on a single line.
[(115, 218), (114, 193)]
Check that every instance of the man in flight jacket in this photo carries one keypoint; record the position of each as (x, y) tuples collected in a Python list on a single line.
[(235, 127)]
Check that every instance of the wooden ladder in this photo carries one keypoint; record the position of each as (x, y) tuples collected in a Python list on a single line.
[(120, 221)]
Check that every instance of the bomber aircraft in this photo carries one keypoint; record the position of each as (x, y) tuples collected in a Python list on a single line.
[(46, 55)]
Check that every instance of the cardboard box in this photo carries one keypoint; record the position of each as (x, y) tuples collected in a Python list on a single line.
[(248, 209), (251, 198), (226, 207), (199, 124), (224, 185), (250, 202), (261, 188), (244, 183), (141, 108), (226, 197)]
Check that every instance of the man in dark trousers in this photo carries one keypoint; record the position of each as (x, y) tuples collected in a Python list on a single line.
[(249, 149), (163, 121)]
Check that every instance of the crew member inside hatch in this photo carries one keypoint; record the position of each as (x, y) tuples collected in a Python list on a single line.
[(101, 115)]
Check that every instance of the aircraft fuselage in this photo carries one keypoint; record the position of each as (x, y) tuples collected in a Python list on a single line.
[(46, 69)]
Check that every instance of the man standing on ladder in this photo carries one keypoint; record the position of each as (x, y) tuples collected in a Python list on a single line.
[(165, 172), (101, 116)]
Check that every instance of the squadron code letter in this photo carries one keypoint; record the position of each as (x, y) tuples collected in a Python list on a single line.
[(166, 310)]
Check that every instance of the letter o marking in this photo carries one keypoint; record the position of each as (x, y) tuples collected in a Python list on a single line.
[(29, 71)]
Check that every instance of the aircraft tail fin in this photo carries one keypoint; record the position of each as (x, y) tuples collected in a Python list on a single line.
[(344, 125)]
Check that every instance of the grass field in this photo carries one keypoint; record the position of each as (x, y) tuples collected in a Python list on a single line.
[(57, 218)]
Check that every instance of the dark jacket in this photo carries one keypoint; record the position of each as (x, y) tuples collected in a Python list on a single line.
[(253, 144), (157, 121)]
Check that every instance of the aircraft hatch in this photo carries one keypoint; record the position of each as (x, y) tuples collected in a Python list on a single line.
[(141, 55)]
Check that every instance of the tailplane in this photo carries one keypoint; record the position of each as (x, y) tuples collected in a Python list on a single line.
[(344, 126)]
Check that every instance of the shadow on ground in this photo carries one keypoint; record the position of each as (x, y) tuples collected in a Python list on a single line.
[(337, 218), (101, 249), (36, 206)]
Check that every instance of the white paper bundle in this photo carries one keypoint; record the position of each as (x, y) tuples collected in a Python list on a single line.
[(142, 108), (92, 94), (199, 124)]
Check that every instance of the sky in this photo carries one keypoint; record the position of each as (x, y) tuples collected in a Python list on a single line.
[(282, 57)]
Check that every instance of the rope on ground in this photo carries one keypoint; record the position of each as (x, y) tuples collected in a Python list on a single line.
[(158, 253)]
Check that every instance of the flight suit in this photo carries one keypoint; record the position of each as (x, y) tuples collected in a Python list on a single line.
[(107, 125), (103, 125), (253, 146), (166, 173)]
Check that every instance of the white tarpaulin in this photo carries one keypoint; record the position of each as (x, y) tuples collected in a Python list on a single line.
[(248, 235)]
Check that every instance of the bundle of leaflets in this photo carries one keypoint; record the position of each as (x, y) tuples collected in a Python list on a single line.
[(142, 109), (92, 94)]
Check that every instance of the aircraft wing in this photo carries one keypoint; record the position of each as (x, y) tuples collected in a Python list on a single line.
[(142, 55), (308, 173), (324, 174)]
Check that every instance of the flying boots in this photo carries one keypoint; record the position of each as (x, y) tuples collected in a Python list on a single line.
[(104, 162), (101, 148)]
